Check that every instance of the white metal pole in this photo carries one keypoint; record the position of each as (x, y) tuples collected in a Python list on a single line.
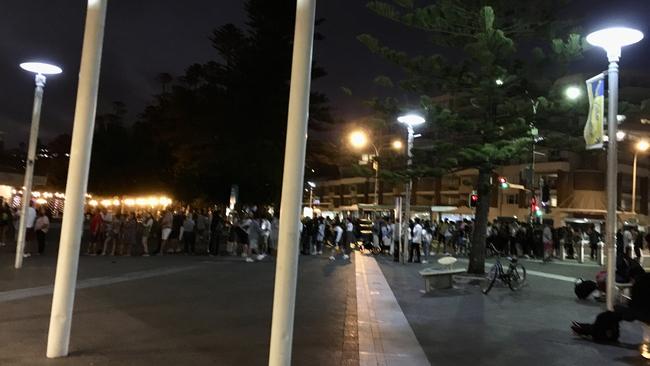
[(284, 296), (407, 204), (376, 180), (634, 183), (58, 340), (612, 172), (29, 169)]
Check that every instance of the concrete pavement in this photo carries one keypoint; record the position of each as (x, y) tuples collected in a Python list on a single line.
[(461, 326), (178, 310), (173, 310)]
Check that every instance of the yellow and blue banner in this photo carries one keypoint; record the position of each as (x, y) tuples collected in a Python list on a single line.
[(594, 132)]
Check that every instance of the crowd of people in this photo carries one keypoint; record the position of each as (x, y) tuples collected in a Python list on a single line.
[(181, 231), (254, 235)]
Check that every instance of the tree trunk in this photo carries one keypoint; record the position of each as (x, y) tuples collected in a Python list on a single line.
[(477, 252)]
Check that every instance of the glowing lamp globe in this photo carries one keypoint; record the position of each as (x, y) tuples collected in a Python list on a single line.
[(411, 119), (41, 68), (642, 145), (613, 39), (573, 92), (358, 139)]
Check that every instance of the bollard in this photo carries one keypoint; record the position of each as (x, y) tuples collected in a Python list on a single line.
[(581, 252), (601, 253), (562, 250)]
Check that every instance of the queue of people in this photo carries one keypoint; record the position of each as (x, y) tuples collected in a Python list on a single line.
[(181, 231)]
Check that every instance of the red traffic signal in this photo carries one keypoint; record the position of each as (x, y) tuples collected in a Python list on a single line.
[(503, 183), (473, 200), (533, 205)]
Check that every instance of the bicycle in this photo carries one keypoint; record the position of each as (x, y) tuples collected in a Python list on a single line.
[(514, 277)]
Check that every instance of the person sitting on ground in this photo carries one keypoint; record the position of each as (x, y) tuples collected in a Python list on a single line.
[(606, 326)]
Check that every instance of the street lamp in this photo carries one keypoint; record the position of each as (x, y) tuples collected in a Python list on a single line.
[(641, 146), (311, 185), (359, 140), (612, 40), (573, 92), (410, 120), (40, 69)]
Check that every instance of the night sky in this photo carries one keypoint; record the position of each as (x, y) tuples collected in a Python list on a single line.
[(146, 37)]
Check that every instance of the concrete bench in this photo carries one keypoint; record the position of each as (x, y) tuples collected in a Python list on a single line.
[(435, 279), (440, 278)]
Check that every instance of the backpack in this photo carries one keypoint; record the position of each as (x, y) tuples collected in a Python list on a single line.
[(584, 288), (606, 328)]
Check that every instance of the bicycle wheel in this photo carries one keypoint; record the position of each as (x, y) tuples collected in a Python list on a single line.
[(517, 274), (491, 278)]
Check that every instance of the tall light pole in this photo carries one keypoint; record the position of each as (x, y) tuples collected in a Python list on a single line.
[(40, 69), (641, 146), (612, 40), (58, 338), (410, 120), (359, 140), (311, 185), (286, 269)]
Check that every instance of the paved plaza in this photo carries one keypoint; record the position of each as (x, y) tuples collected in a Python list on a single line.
[(177, 310)]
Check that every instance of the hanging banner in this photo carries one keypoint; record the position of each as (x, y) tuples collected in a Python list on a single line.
[(594, 128)]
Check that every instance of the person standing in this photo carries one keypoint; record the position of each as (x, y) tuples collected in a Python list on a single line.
[(129, 230), (166, 230), (5, 221), (96, 224), (266, 235), (320, 236), (29, 235), (547, 239), (216, 232), (147, 224), (201, 229), (386, 240), (349, 233), (176, 236), (275, 232), (107, 228), (427, 238), (416, 241), (188, 234), (41, 226)]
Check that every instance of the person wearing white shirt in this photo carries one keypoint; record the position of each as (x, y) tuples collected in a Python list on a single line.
[(30, 218), (416, 240), (338, 242)]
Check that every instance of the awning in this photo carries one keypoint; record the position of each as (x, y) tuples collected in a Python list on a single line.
[(585, 201)]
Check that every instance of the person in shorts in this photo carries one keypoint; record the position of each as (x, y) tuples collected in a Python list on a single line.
[(166, 230)]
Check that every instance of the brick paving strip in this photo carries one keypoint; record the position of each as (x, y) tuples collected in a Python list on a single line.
[(385, 336), (350, 356)]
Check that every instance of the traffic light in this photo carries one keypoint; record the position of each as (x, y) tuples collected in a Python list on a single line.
[(503, 183), (473, 200), (534, 208)]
